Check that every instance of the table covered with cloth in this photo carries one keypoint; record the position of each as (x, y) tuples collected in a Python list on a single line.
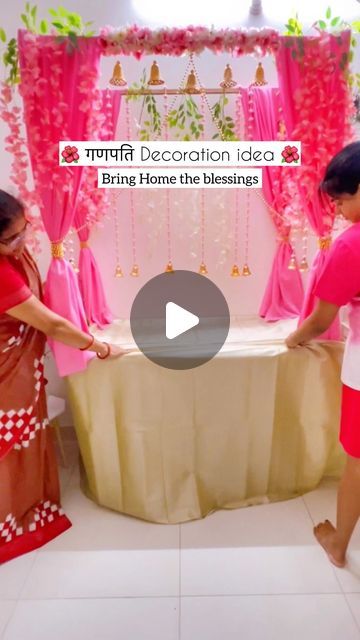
[(258, 423)]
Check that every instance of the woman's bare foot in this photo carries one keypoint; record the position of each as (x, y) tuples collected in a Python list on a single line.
[(326, 535)]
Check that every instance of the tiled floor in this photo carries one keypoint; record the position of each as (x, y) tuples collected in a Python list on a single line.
[(249, 574)]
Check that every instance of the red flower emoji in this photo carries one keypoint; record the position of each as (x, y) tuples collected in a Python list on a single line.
[(290, 154), (70, 154)]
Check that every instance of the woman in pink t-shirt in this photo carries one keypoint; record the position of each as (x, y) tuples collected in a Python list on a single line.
[(338, 285)]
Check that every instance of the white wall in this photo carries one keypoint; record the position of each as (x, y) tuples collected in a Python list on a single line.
[(244, 295)]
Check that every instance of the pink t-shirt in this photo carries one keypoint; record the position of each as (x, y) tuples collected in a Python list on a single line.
[(339, 284)]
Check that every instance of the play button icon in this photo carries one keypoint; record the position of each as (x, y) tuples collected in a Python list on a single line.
[(180, 320)]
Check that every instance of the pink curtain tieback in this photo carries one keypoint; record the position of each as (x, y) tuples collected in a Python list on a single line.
[(324, 243), (57, 249), (84, 245)]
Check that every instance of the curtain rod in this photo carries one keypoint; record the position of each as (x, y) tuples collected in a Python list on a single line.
[(173, 92)]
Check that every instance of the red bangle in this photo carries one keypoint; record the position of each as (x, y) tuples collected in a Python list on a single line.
[(88, 345), (107, 354)]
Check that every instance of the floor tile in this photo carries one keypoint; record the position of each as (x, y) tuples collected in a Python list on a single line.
[(100, 574), (300, 617), (13, 575), (256, 570), (321, 504), (98, 528), (353, 600), (275, 524), (349, 576), (108, 619), (7, 607)]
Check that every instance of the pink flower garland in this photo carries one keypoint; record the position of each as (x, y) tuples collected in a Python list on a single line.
[(140, 41), (47, 127), (324, 97), (92, 202), (17, 146), (51, 127)]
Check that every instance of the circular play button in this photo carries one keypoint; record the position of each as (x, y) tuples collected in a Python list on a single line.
[(180, 320)]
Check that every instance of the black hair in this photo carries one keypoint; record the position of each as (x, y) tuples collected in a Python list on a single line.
[(10, 209), (342, 174)]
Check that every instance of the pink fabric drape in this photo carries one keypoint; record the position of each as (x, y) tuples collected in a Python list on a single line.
[(55, 87), (316, 107), (284, 290), (92, 290)]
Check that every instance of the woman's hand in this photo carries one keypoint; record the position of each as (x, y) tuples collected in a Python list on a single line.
[(292, 341), (116, 351)]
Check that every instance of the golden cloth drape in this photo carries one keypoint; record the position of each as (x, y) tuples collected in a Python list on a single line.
[(258, 423)]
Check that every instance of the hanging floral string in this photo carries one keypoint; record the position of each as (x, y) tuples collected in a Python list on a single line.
[(135, 271), (20, 171), (169, 267), (235, 272)]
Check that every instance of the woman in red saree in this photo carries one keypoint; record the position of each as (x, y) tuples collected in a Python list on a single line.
[(30, 509)]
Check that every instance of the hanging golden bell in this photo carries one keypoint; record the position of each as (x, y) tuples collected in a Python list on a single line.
[(304, 265), (292, 264), (246, 271), (235, 271), (135, 271), (155, 74), (118, 272), (203, 269), (228, 79), (259, 76), (169, 267), (118, 79), (190, 86)]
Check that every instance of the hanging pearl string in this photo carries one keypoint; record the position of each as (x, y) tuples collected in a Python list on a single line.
[(239, 116), (304, 263), (235, 268), (281, 133), (203, 268), (246, 271), (109, 122), (65, 247), (71, 250), (204, 96), (275, 214), (135, 267), (181, 85), (118, 271), (169, 267), (250, 123)]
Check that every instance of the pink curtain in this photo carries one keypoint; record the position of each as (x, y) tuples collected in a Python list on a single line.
[(92, 290), (57, 87), (284, 291), (316, 105)]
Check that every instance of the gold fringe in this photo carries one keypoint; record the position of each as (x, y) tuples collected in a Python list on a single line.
[(57, 250), (324, 243)]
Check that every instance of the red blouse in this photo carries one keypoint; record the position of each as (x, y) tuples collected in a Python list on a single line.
[(13, 288)]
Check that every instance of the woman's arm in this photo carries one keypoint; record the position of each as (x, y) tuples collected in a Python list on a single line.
[(318, 322), (36, 314)]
